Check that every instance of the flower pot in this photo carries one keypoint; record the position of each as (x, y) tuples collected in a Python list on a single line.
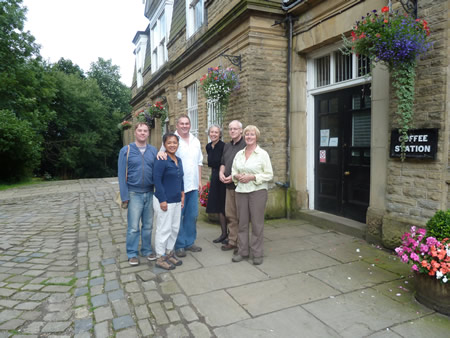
[(432, 293)]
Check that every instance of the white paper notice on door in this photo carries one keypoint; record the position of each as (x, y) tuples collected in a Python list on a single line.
[(333, 142), (324, 137)]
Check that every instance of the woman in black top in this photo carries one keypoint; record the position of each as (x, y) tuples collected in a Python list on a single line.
[(216, 197)]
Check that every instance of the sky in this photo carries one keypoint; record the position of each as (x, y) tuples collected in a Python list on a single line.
[(84, 30)]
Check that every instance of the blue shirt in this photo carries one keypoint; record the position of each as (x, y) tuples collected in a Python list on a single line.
[(168, 179)]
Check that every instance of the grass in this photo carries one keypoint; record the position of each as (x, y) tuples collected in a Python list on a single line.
[(25, 182)]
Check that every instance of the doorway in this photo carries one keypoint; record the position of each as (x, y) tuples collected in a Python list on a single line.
[(342, 152)]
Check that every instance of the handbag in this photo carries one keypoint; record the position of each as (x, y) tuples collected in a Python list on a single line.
[(118, 199)]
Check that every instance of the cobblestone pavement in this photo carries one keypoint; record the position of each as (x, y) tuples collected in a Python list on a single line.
[(64, 273)]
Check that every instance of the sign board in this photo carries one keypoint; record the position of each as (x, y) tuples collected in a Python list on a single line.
[(323, 156), (422, 143)]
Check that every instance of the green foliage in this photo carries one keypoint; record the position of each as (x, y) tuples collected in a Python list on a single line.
[(397, 41), (439, 225), (19, 148)]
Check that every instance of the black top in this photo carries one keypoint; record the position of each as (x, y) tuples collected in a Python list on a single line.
[(216, 196)]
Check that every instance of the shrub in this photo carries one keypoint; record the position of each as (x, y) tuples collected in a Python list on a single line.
[(439, 225)]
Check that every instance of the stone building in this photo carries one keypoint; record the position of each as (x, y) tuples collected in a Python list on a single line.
[(326, 119)]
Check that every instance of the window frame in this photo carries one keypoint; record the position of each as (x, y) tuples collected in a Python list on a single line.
[(192, 106), (194, 18)]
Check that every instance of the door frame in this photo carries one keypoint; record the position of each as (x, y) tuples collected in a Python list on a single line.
[(310, 113)]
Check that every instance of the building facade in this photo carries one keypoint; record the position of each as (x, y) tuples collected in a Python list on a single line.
[(326, 119)]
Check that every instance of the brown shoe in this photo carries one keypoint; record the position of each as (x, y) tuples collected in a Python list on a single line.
[(228, 247), (133, 261), (161, 262), (174, 260)]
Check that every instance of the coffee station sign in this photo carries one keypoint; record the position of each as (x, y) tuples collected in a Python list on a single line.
[(421, 143)]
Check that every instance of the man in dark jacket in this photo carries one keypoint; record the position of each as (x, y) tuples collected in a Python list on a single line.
[(136, 191)]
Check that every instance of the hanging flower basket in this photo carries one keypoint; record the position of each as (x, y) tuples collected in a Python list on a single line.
[(203, 198), (152, 112), (218, 85), (124, 125), (396, 40)]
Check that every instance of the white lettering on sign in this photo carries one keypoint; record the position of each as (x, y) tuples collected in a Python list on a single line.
[(414, 149), (415, 138)]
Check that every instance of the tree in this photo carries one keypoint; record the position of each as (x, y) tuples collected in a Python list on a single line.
[(68, 67), (26, 91)]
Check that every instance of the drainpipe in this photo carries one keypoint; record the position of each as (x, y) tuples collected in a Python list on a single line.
[(289, 20)]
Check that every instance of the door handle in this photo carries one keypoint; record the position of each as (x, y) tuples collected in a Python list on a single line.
[(346, 173)]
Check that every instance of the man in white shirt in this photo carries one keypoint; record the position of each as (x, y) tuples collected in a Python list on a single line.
[(191, 155)]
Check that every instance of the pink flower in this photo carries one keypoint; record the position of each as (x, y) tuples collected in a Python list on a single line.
[(405, 258), (414, 267), (414, 257)]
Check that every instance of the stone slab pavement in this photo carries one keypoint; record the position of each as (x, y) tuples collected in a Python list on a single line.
[(64, 273)]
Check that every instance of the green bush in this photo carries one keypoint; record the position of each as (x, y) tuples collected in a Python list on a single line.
[(19, 148), (439, 225)]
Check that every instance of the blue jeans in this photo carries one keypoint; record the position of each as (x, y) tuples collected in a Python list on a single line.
[(188, 225), (140, 208)]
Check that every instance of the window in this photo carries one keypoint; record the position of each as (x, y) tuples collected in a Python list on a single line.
[(194, 16), (214, 116), (336, 67), (140, 42), (192, 107), (158, 41)]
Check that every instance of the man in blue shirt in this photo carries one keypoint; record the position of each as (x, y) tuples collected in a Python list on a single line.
[(136, 191)]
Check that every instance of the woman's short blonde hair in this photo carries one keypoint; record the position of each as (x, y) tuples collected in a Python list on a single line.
[(253, 128)]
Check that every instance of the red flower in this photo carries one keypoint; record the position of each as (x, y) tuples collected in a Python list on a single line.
[(385, 9)]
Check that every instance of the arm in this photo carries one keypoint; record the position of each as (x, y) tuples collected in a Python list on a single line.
[(199, 178), (160, 192), (122, 164), (267, 173)]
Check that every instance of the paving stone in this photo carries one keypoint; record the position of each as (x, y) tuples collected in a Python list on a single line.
[(132, 287), (6, 292), (153, 296), (128, 333), (33, 287), (141, 312), (19, 279), (112, 285), (59, 280), (179, 299), (8, 315), (99, 300), (149, 285), (96, 273), (56, 288), (59, 306), (103, 313), (31, 315), (55, 327), (123, 322), (97, 281), (8, 303), (83, 300), (116, 295), (199, 330), (59, 297), (138, 299), (82, 312), (82, 335), (177, 331), (34, 273), (83, 325), (27, 306), (188, 313), (60, 316), (110, 276), (82, 274), (96, 290), (34, 327), (108, 261), (39, 296), (145, 327), (146, 275), (101, 330), (121, 307), (12, 324), (159, 314), (127, 278), (169, 287), (173, 316)]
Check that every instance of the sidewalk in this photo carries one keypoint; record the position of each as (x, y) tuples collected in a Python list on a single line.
[(64, 273)]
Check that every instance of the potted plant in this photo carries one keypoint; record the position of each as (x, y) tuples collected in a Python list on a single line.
[(218, 84), (428, 252), (396, 40), (124, 125), (203, 198)]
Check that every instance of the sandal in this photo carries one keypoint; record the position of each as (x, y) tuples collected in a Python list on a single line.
[(173, 260), (161, 262)]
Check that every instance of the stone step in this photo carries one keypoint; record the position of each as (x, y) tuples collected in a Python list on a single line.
[(333, 222)]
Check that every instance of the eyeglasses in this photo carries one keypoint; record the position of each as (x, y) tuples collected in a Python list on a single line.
[(234, 128)]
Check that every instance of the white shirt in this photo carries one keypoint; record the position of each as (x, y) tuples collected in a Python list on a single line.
[(192, 157)]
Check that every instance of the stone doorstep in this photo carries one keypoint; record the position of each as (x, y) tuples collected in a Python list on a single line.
[(333, 222)]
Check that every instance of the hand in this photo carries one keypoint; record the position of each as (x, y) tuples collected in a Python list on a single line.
[(221, 176), (182, 203), (161, 155), (124, 205), (163, 206), (245, 178), (227, 179)]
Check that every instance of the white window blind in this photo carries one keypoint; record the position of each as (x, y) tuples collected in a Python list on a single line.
[(192, 107)]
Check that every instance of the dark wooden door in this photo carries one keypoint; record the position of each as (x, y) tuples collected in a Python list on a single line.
[(342, 152)]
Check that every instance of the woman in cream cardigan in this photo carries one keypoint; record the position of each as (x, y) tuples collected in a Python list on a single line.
[(251, 172)]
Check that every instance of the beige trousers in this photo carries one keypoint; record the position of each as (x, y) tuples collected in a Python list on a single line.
[(231, 216)]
